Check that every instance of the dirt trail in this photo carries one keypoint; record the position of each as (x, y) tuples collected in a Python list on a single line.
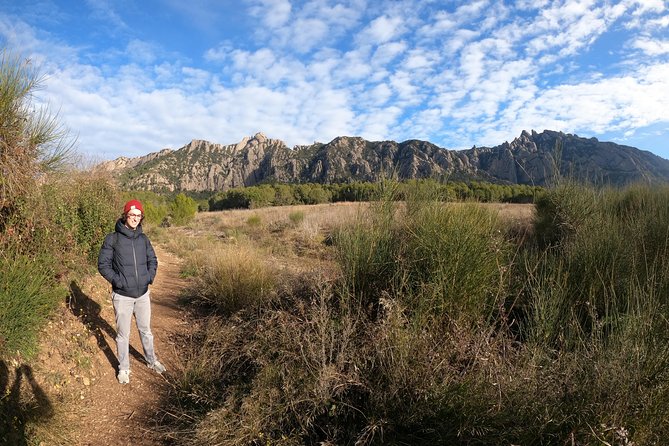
[(115, 414)]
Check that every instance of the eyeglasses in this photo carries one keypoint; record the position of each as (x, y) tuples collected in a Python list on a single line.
[(135, 215)]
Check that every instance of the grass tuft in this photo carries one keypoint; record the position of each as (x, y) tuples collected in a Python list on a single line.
[(232, 277)]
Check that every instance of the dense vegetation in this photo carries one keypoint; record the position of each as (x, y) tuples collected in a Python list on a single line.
[(52, 217), (313, 193), (444, 326)]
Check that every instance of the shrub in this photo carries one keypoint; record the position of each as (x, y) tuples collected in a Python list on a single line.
[(606, 241), (561, 211), (182, 209), (231, 278), (368, 252), (154, 213), (595, 313), (311, 194), (296, 217), (32, 144), (31, 140), (52, 217), (283, 195), (254, 221), (441, 259), (28, 295)]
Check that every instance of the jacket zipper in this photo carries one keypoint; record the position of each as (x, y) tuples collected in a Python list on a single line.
[(134, 257)]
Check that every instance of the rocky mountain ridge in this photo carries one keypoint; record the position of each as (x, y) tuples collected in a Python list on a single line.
[(532, 158)]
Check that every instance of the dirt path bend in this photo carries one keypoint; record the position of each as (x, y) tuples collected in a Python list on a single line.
[(115, 414)]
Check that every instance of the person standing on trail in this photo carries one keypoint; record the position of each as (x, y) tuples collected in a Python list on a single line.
[(127, 260)]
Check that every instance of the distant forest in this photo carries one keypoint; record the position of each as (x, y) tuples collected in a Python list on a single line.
[(314, 193)]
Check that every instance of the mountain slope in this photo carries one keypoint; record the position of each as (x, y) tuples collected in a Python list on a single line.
[(532, 158)]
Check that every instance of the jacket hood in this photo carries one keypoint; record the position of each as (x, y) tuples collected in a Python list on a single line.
[(122, 229)]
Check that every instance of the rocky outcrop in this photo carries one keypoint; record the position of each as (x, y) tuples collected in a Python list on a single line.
[(532, 158)]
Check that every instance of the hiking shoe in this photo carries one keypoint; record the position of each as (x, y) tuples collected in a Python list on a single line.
[(157, 366), (124, 376)]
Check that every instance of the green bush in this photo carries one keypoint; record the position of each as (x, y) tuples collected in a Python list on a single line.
[(230, 199), (311, 194), (286, 194), (78, 210), (154, 213), (254, 220), (52, 217), (602, 242), (596, 314), (283, 195), (442, 259), (296, 217), (28, 295), (182, 209)]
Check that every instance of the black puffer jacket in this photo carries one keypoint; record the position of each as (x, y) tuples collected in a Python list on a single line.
[(127, 260)]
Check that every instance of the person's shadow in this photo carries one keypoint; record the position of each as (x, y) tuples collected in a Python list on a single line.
[(88, 311), (15, 411)]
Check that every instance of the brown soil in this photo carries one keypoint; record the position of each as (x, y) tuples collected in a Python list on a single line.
[(102, 411)]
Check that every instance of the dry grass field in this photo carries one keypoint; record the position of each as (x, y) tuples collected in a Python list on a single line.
[(319, 218), (292, 236)]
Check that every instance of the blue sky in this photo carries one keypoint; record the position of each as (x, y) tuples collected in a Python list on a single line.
[(131, 77)]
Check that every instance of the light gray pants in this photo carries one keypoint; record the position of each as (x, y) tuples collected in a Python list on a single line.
[(124, 308)]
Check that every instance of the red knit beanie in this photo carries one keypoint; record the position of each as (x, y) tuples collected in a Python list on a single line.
[(133, 204)]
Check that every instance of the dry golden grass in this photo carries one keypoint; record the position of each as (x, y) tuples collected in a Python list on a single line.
[(324, 216)]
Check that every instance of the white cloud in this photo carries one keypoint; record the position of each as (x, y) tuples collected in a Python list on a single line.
[(469, 10), (377, 124), (141, 52), (402, 84), (307, 33), (379, 94), (442, 24), (219, 53), (420, 59), (525, 5), (387, 52), (381, 30), (273, 13), (472, 65), (342, 15), (195, 79), (652, 47), (662, 22), (646, 6), (103, 10), (459, 39), (352, 66), (641, 99), (494, 15), (303, 29)]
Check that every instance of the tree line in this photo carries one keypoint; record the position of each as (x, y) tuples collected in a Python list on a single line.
[(315, 193)]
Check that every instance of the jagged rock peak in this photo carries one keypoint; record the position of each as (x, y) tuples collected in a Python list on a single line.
[(252, 141), (124, 162), (201, 145)]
